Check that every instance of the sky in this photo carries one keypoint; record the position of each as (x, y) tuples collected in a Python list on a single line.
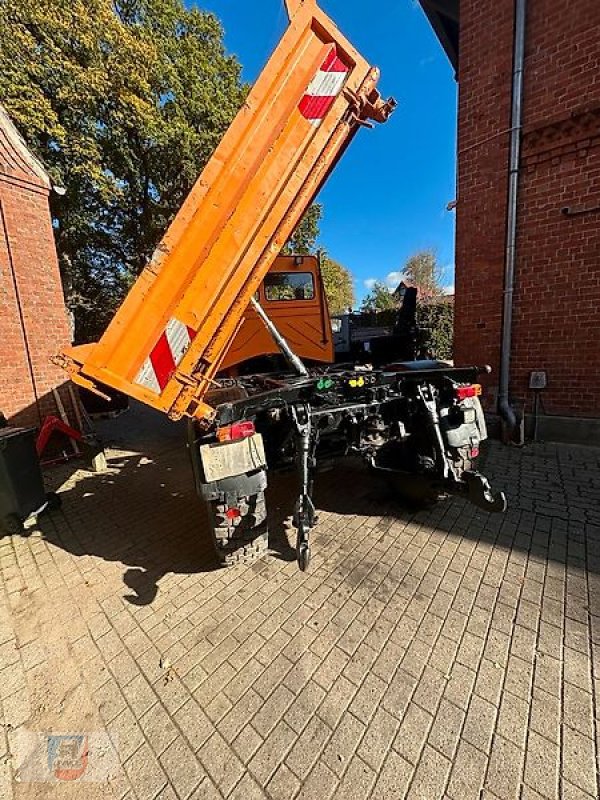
[(387, 197)]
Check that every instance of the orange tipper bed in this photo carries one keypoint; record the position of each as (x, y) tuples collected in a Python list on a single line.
[(167, 340)]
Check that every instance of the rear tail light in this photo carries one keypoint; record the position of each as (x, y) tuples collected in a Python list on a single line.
[(474, 452), (233, 513), (463, 392), (239, 430)]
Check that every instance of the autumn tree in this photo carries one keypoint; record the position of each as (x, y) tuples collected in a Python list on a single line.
[(422, 270), (124, 102), (339, 285), (379, 298)]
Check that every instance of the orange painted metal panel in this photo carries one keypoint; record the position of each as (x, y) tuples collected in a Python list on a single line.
[(304, 323), (168, 339)]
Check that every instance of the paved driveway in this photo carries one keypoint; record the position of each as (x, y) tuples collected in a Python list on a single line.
[(446, 653)]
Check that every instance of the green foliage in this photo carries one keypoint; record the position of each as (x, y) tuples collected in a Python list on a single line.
[(337, 280), (379, 298), (423, 271), (124, 103), (436, 327), (338, 283), (303, 241)]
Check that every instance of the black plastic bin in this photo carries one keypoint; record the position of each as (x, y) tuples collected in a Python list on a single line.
[(21, 484)]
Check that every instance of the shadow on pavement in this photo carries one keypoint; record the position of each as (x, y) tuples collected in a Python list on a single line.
[(144, 511)]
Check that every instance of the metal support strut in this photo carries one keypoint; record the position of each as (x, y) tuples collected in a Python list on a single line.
[(292, 359), (304, 514)]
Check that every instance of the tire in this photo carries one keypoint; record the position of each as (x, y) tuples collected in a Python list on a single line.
[(463, 461), (244, 538), (12, 525)]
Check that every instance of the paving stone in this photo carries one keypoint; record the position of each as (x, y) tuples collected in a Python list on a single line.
[(505, 766), (393, 779), (378, 738), (513, 718), (304, 706), (308, 747), (283, 784), (541, 765), (430, 776), (578, 709), (182, 768), (272, 710), (357, 781), (338, 699), (578, 762), (221, 763), (272, 752), (468, 771), (366, 700), (343, 743), (248, 789), (411, 737), (320, 784), (446, 729), (246, 743), (480, 723), (145, 773)]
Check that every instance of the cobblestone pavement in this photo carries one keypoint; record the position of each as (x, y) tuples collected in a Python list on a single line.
[(439, 654)]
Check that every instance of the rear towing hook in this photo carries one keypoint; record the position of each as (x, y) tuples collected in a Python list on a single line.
[(480, 493), (304, 515)]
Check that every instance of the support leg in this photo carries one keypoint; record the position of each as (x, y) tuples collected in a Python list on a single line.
[(304, 515)]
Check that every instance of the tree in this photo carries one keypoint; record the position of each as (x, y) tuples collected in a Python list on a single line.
[(303, 241), (423, 271), (337, 280), (123, 102), (436, 324), (379, 298), (338, 283)]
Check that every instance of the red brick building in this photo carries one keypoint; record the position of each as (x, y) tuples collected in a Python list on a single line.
[(556, 302), (33, 319)]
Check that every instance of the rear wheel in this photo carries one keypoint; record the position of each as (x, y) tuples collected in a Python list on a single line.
[(240, 528)]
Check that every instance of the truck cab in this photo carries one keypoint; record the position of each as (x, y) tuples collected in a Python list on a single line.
[(293, 296)]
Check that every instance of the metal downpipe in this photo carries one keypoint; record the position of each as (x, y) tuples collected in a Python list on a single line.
[(505, 410)]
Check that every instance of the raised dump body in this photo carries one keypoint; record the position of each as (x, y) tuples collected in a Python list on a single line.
[(169, 337)]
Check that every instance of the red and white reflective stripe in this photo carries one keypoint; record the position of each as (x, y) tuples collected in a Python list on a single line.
[(165, 356), (324, 88)]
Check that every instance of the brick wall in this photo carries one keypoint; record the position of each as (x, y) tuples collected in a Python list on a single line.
[(33, 318), (557, 296)]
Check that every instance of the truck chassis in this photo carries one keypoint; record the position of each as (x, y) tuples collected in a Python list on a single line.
[(420, 422)]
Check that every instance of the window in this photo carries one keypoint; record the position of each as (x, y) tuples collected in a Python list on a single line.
[(289, 286)]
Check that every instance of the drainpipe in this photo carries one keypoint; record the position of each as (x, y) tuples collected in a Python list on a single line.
[(505, 409)]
